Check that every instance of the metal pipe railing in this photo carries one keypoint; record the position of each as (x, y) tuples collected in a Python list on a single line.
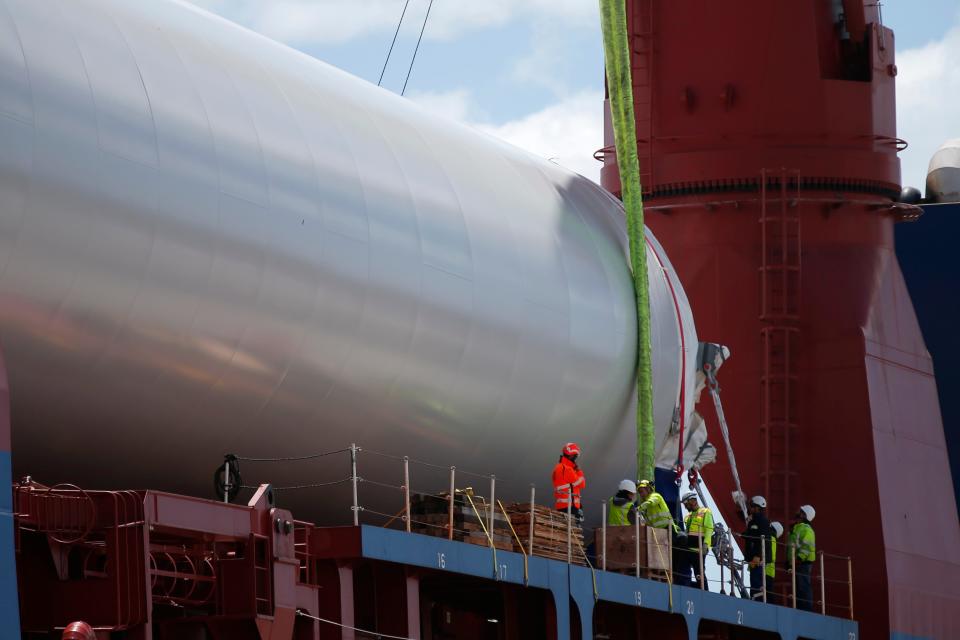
[(823, 588), (453, 494), (700, 558), (406, 491), (636, 547), (763, 565), (603, 536), (728, 566), (533, 514), (493, 501), (353, 481), (850, 583), (793, 573)]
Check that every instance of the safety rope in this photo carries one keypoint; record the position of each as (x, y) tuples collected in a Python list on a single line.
[(617, 51), (293, 458), (526, 568), (374, 634), (593, 572), (486, 533)]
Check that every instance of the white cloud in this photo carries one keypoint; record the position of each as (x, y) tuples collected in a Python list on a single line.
[(298, 22), (928, 108), (458, 104), (567, 132)]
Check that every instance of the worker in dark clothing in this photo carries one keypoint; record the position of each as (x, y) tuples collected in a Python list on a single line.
[(757, 544)]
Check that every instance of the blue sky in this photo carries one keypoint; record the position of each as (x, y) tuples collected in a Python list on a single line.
[(531, 71)]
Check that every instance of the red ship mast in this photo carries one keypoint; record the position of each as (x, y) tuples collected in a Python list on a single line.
[(768, 152)]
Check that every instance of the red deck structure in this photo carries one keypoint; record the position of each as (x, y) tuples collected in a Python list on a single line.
[(767, 144)]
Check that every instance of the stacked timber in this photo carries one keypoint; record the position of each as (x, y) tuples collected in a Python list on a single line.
[(430, 515), (549, 532)]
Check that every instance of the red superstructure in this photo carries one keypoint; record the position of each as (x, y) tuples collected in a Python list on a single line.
[(767, 144)]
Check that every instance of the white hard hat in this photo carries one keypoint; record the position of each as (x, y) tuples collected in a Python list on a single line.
[(759, 501), (809, 512), (777, 529), (689, 495), (628, 486)]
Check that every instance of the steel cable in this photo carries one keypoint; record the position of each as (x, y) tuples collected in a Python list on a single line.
[(374, 634), (417, 48), (314, 485), (395, 34), (293, 458)]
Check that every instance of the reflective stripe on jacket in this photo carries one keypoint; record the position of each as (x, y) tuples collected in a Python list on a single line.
[(805, 541), (700, 523), (618, 515), (566, 475), (655, 511)]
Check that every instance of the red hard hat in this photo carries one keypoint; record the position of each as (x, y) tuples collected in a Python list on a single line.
[(78, 631), (571, 449)]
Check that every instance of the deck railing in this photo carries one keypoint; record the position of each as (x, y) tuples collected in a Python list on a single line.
[(656, 553)]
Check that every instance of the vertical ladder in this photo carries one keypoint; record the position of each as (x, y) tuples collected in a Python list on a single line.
[(640, 25), (262, 573), (780, 334)]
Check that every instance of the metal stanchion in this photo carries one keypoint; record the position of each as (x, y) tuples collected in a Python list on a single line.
[(569, 523), (226, 481), (353, 480), (603, 537), (725, 542), (763, 560), (850, 583), (406, 490), (636, 546), (793, 573), (731, 564), (493, 501), (453, 494), (823, 588), (533, 514), (700, 558), (670, 556)]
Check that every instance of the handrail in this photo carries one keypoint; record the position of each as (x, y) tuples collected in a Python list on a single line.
[(766, 591)]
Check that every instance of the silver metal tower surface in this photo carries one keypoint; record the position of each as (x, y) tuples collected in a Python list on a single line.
[(210, 242)]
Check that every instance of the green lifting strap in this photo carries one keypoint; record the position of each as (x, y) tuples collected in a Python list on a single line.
[(617, 51)]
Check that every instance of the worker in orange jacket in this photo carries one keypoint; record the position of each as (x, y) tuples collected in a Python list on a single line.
[(568, 481)]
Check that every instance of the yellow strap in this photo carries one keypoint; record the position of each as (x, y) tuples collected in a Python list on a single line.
[(613, 21), (526, 570), (496, 574)]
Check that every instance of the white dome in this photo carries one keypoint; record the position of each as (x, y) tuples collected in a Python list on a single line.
[(943, 174)]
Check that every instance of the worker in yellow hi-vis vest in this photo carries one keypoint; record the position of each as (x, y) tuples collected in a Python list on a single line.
[(803, 543), (776, 530), (699, 524), (622, 508)]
